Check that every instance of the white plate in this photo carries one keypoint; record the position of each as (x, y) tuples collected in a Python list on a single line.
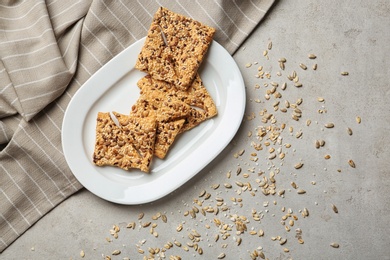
[(113, 88)]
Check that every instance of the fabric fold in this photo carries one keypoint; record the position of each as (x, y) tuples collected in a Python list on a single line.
[(39, 63)]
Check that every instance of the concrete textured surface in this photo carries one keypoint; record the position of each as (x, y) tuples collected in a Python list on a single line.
[(351, 36)]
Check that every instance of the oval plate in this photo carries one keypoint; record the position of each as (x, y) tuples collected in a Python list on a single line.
[(114, 88)]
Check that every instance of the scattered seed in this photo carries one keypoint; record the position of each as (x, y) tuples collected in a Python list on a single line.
[(327, 157), (358, 119), (334, 245), (303, 66), (349, 131), (269, 45), (248, 65), (351, 163), (283, 241), (329, 125), (298, 165), (344, 73), (221, 256), (294, 185), (140, 215), (320, 99), (131, 225), (312, 56), (116, 252), (335, 208), (146, 224), (314, 66), (305, 212), (301, 191), (82, 253), (282, 60), (272, 156)]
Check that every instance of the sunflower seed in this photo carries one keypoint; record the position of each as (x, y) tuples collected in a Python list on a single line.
[(131, 225), (116, 252), (294, 185), (305, 212), (334, 245), (179, 228), (298, 165), (351, 163), (269, 45)]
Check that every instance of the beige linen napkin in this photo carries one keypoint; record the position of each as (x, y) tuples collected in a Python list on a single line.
[(48, 49)]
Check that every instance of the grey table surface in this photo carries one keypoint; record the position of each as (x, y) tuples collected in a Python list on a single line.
[(346, 36)]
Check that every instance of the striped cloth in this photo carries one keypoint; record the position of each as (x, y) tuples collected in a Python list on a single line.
[(48, 49)]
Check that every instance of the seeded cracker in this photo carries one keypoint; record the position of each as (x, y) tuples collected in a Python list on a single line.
[(187, 43), (128, 146), (169, 112), (202, 106)]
